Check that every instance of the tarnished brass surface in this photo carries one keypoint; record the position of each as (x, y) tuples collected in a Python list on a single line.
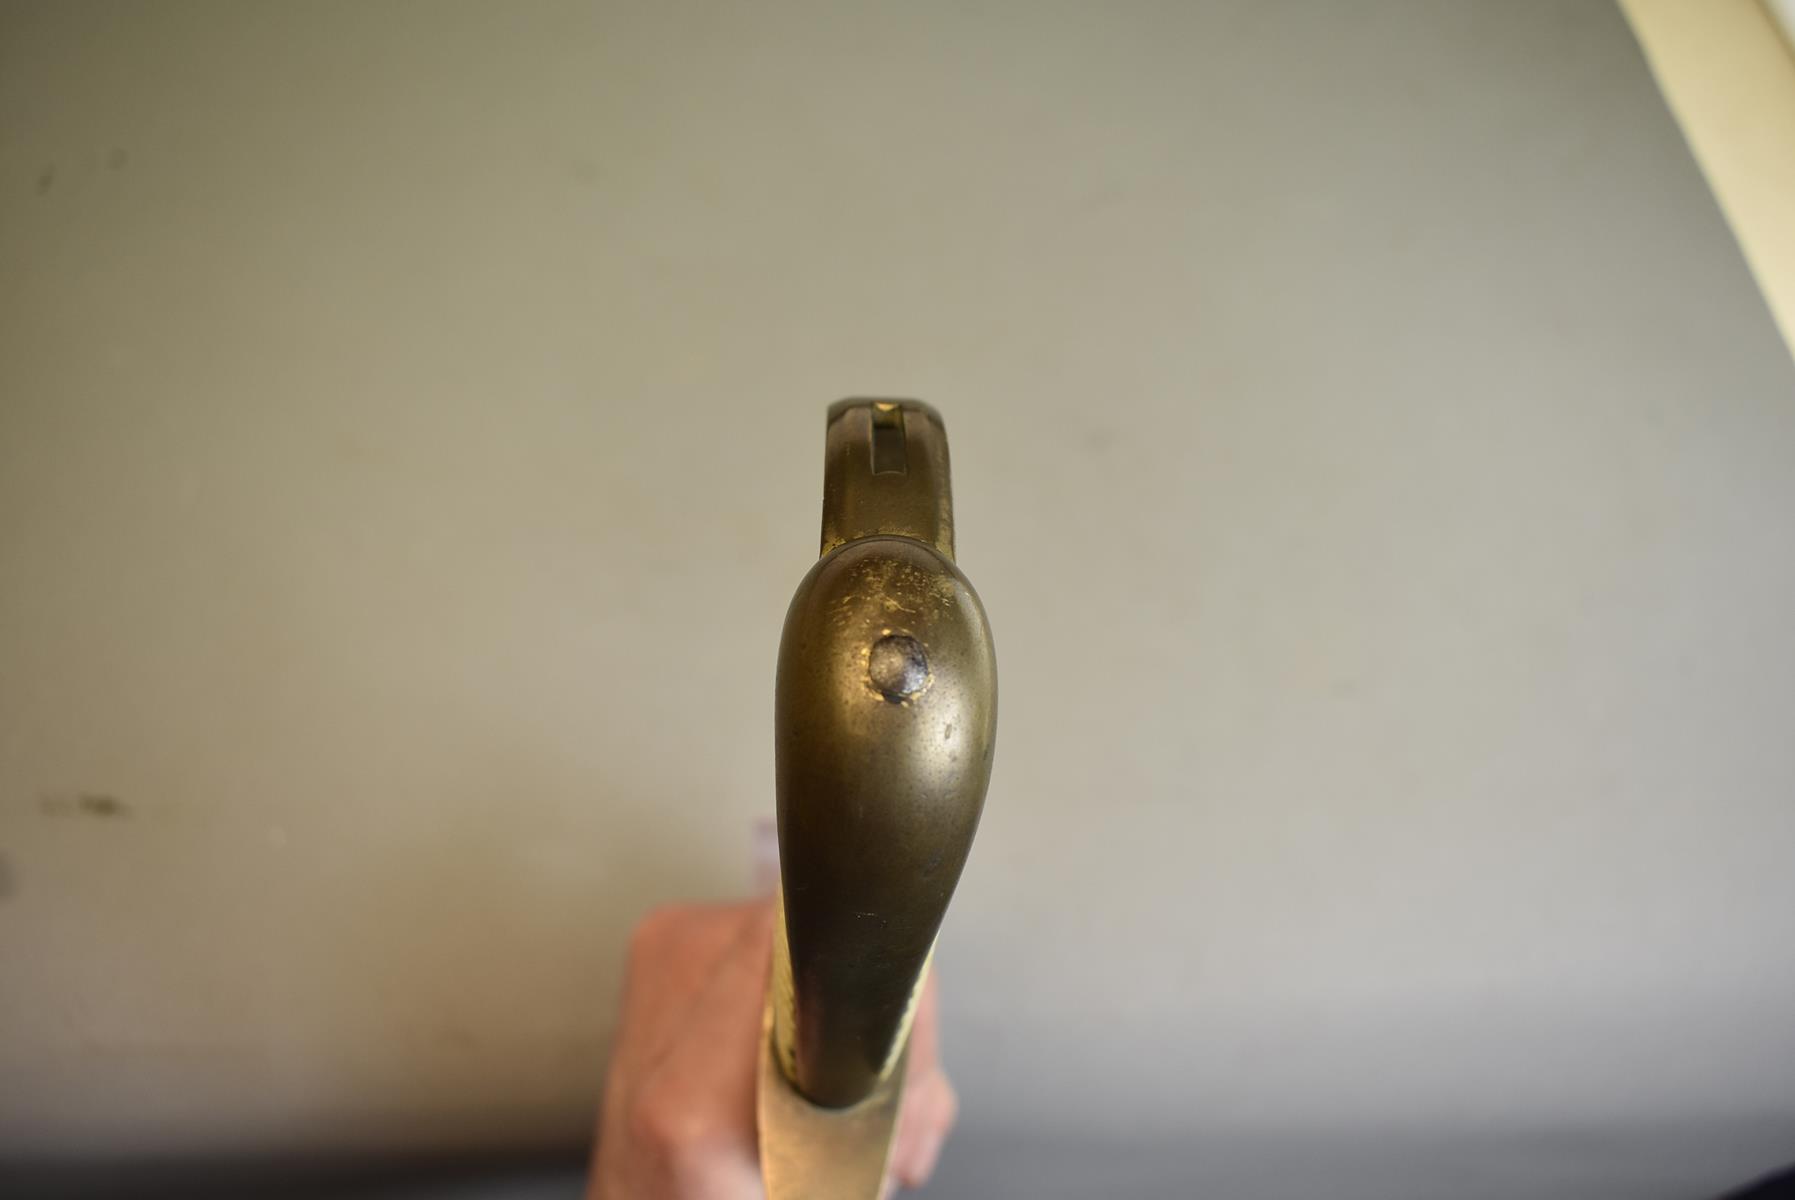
[(886, 718), (885, 471), (812, 1153)]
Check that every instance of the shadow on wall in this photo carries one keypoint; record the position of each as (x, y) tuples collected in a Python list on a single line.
[(560, 1176)]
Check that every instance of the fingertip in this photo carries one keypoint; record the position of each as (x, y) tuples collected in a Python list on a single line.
[(930, 1108), (925, 1031)]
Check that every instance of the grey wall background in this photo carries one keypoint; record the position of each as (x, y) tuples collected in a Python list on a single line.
[(1371, 450)]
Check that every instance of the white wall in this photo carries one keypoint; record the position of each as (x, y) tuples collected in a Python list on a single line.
[(1370, 449)]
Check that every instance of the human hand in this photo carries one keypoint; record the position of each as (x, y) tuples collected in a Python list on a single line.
[(678, 1120)]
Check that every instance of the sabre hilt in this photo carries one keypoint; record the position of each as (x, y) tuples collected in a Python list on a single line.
[(885, 722)]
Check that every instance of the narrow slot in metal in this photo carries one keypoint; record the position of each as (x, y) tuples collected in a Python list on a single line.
[(889, 457)]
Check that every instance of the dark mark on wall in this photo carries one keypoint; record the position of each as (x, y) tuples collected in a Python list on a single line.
[(98, 805), (7, 887), (46, 180), (95, 804)]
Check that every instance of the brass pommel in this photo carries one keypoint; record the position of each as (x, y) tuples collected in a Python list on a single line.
[(885, 723)]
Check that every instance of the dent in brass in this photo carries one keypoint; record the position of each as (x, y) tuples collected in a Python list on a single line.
[(885, 724)]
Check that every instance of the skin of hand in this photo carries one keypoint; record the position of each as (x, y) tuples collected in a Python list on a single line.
[(678, 1120)]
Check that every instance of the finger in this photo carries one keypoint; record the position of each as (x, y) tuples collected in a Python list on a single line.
[(733, 986), (661, 978), (929, 1101), (720, 1041), (672, 952), (925, 1033), (930, 1107), (683, 1119)]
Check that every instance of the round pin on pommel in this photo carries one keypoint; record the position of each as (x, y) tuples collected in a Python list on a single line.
[(897, 666)]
